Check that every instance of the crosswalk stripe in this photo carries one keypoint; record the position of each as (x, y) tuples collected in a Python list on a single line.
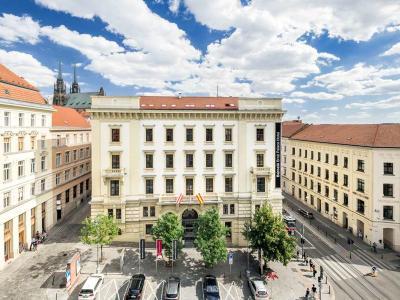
[(338, 268), (371, 260), (332, 270), (327, 269), (344, 265)]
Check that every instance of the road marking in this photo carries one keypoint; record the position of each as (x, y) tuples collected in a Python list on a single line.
[(328, 269), (344, 265), (371, 260)]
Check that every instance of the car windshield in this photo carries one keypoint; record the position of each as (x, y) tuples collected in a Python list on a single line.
[(135, 285), (86, 291)]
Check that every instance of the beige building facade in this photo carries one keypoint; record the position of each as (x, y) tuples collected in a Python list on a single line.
[(149, 153), (350, 174)]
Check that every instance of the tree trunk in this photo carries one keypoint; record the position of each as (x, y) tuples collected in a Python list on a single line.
[(101, 253), (260, 261)]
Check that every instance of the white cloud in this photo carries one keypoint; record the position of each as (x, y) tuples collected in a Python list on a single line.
[(293, 100), (18, 29), (317, 96), (359, 115), (392, 102), (174, 5), (332, 115), (394, 50), (27, 66), (91, 46), (332, 108)]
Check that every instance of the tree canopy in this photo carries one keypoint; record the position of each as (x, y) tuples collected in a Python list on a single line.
[(267, 232), (211, 238), (168, 228)]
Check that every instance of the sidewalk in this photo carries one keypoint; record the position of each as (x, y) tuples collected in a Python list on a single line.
[(340, 235)]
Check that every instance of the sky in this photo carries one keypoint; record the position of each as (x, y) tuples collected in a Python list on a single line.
[(334, 61)]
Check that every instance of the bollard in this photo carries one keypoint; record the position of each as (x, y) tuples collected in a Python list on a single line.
[(329, 289)]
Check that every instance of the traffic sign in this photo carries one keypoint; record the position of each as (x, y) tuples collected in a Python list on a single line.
[(174, 250), (230, 258), (142, 248)]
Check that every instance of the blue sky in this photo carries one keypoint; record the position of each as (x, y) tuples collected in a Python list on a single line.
[(336, 62)]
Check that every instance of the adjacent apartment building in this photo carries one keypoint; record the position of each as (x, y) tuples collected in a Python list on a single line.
[(156, 154), (44, 161), (349, 173)]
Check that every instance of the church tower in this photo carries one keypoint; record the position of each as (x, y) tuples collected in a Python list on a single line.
[(59, 94), (75, 86)]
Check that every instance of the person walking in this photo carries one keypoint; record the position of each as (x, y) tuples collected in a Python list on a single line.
[(314, 271), (374, 247), (314, 290), (297, 254), (311, 264), (307, 293)]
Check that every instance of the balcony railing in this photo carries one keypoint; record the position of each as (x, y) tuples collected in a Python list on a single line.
[(114, 172), (260, 170), (167, 199)]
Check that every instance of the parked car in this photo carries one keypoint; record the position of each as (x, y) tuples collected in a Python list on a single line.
[(172, 288), (91, 287), (308, 215), (210, 288), (136, 285), (258, 288)]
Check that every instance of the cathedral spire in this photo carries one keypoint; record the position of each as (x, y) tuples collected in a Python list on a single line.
[(75, 86), (59, 70), (59, 94)]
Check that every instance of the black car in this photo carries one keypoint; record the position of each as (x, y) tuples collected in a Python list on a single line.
[(304, 213), (210, 288), (136, 285)]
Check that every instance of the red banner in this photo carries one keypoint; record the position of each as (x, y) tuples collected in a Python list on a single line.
[(159, 248)]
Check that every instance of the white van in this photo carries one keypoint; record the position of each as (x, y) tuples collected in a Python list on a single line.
[(91, 288)]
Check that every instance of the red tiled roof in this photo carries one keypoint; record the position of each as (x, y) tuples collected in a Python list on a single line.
[(366, 135), (68, 117), (16, 88), (291, 127), (188, 103)]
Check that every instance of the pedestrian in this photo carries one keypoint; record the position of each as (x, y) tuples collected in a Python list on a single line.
[(374, 246), (311, 264), (314, 290), (307, 293), (297, 254), (314, 272)]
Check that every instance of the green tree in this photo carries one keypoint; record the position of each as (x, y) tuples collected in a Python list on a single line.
[(99, 231), (267, 233), (168, 228), (211, 238)]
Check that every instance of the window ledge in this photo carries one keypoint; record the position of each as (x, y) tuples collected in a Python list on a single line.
[(389, 174)]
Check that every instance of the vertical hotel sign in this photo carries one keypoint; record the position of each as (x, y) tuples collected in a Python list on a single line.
[(277, 155)]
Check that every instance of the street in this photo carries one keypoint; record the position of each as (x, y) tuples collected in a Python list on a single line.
[(326, 244)]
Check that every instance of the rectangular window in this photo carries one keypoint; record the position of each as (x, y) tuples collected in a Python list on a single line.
[(43, 120), (74, 191), (7, 145), (388, 190), (6, 119), (149, 161), (114, 187), (189, 134), (360, 185), (169, 135), (87, 184), (345, 180), (149, 186), (232, 209), (335, 160), (145, 211), (74, 169), (66, 176), (387, 168), (260, 184), (312, 170), (305, 153), (115, 136), (312, 184), (360, 206), (189, 160), (228, 134), (327, 191), (326, 158), (345, 199), (118, 214), (20, 143), (75, 156), (312, 155), (42, 185), (293, 163), (209, 134), (169, 185), (345, 162), (110, 213), (293, 151), (169, 161), (115, 164), (209, 160), (81, 188), (33, 188), (20, 194), (21, 119), (326, 174), (67, 157), (300, 152), (189, 186), (260, 160), (152, 211), (209, 185), (6, 199), (335, 177), (260, 134), (228, 160), (21, 167), (81, 153), (388, 212), (225, 209), (319, 172), (58, 178), (319, 188), (319, 156), (305, 167), (228, 228), (67, 196), (149, 229), (360, 165), (335, 195), (326, 207), (228, 184), (149, 134), (58, 159), (33, 120)]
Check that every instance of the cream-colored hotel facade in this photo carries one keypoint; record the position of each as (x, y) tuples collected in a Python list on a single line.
[(350, 174), (150, 151)]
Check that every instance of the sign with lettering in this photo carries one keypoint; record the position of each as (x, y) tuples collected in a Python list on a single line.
[(277, 155), (159, 249), (142, 248)]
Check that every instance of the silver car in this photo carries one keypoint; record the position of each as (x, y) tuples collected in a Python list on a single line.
[(258, 288), (172, 288)]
